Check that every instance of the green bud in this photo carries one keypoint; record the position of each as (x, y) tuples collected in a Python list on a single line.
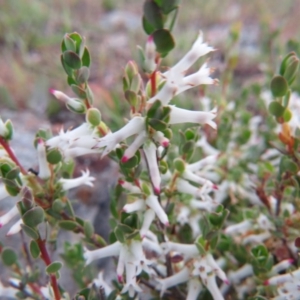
[(58, 205), (146, 189), (279, 86), (285, 62), (276, 109), (10, 130), (93, 116), (179, 165), (291, 69), (163, 166), (136, 83), (131, 70)]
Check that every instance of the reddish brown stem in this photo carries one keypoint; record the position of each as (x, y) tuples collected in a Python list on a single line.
[(153, 83), (7, 148), (47, 260)]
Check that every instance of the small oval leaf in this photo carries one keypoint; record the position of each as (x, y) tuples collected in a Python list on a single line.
[(163, 40), (54, 267), (72, 60)]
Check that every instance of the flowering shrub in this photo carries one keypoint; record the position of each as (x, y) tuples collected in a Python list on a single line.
[(209, 211)]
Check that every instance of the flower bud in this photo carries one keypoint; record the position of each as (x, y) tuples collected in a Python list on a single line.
[(93, 116)]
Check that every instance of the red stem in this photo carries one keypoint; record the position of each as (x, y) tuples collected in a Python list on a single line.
[(153, 83), (7, 148), (47, 260)]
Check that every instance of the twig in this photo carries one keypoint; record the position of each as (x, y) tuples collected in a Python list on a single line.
[(46, 258)]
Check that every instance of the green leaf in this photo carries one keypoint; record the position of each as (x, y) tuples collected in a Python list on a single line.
[(68, 44), (34, 216), (287, 115), (13, 173), (71, 80), (163, 40), (54, 267), (169, 5), (82, 75), (153, 109), (119, 235), (34, 249), (10, 129), (179, 165), (78, 91), (152, 14), (93, 116), (72, 60), (9, 256), (287, 165), (200, 244), (148, 28), (31, 232), (131, 97), (54, 156), (67, 69), (157, 124), (89, 94), (76, 37), (276, 109), (131, 163), (68, 225), (88, 229), (86, 58), (279, 86), (58, 205)]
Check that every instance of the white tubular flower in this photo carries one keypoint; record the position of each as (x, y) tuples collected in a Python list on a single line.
[(180, 277), (129, 186), (283, 265), (110, 250), (237, 276), (183, 215), (135, 206), (149, 216), (150, 153), (8, 291), (185, 187), (131, 286), (161, 139), (110, 141), (4, 219), (204, 205), (3, 129), (3, 192), (153, 203), (256, 238), (44, 170), (180, 115), (280, 279), (152, 246), (85, 179), (175, 80), (100, 282), (15, 228), (72, 102), (88, 141), (70, 153), (134, 146), (188, 250), (187, 174), (241, 227), (150, 53), (200, 164), (213, 288), (216, 268), (206, 147), (194, 288), (198, 49)]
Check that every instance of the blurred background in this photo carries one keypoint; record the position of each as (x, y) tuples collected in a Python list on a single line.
[(31, 32)]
